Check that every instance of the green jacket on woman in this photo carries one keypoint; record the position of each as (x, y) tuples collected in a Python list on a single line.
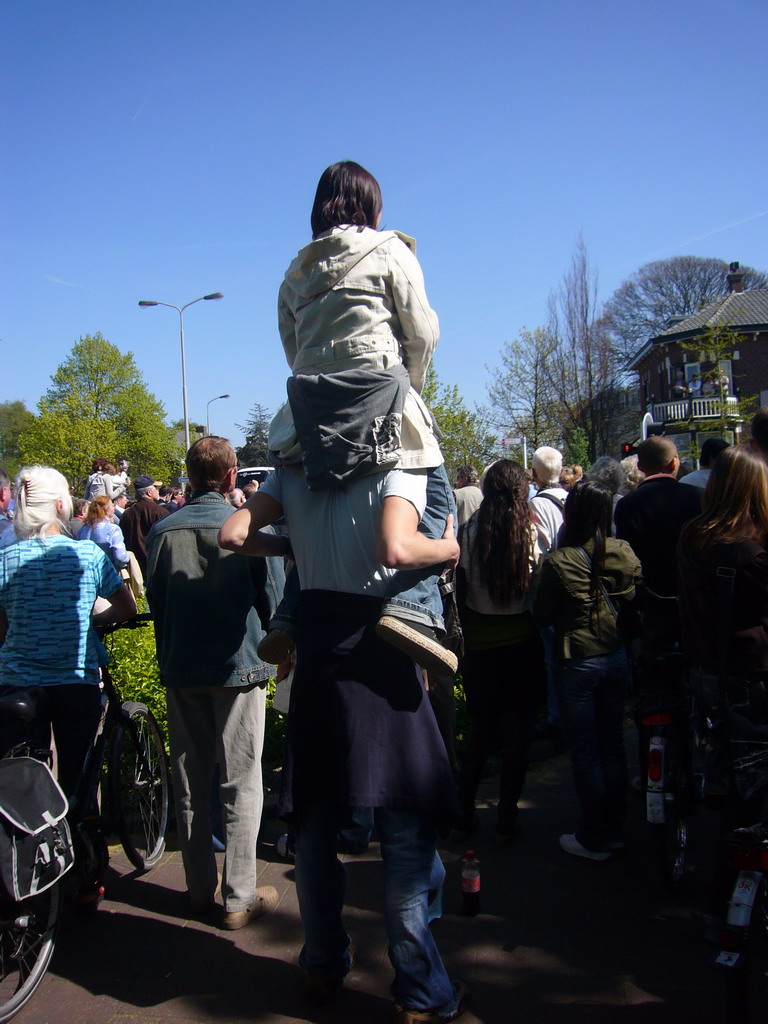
[(584, 628)]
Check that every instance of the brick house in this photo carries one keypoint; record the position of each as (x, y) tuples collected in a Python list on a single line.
[(685, 390)]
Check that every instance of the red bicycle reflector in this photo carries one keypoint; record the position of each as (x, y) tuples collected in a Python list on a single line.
[(732, 939), (749, 858), (655, 759), (662, 718)]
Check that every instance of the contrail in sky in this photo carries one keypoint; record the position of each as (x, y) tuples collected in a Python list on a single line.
[(142, 105), (657, 255), (70, 284), (715, 231)]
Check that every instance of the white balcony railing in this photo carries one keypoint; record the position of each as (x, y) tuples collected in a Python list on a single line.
[(694, 408)]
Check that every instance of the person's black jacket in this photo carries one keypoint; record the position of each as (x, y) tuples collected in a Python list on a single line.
[(650, 518)]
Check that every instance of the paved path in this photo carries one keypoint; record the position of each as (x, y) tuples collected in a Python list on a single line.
[(560, 940)]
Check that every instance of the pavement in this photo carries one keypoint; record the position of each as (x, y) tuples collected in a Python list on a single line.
[(560, 940)]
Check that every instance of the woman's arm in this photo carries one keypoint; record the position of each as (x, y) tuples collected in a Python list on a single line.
[(418, 321), (286, 324), (117, 546), (109, 486), (121, 607), (117, 485)]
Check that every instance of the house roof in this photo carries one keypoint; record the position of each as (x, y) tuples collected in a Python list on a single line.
[(739, 309), (746, 311)]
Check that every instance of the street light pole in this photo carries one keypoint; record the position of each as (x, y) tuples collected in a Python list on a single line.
[(144, 303), (208, 413)]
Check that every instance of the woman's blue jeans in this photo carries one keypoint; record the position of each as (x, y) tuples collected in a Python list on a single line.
[(591, 692), (415, 595), (411, 869)]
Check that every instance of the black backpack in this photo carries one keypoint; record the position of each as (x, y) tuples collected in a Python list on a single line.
[(35, 841), (551, 497)]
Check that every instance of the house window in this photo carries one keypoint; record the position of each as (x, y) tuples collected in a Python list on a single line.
[(726, 375), (679, 386), (703, 435)]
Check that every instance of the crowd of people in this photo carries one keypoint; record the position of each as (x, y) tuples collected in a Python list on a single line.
[(542, 588)]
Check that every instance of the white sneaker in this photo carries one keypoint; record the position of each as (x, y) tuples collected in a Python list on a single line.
[(571, 844)]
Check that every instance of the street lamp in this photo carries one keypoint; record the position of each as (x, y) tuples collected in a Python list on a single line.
[(180, 310), (208, 413)]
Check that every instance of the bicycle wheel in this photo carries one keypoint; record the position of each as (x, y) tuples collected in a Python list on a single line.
[(746, 987), (27, 938), (138, 786), (670, 837)]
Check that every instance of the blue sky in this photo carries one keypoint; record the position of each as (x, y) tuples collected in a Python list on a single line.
[(167, 150)]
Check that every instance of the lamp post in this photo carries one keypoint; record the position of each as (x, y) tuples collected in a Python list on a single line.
[(180, 310), (208, 413)]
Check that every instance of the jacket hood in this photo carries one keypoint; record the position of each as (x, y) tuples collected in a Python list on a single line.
[(328, 259)]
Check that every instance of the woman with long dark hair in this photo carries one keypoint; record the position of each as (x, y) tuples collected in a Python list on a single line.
[(503, 667), (723, 595), (582, 586)]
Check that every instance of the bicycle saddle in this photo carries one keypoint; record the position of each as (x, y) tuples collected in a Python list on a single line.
[(19, 704)]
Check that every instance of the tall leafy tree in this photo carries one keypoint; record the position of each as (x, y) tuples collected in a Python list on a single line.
[(99, 405), (468, 437), (255, 450), (640, 307), (562, 384), (521, 394), (15, 419), (583, 368)]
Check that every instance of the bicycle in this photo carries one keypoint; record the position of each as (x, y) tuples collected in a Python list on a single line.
[(744, 935), (29, 919), (665, 720), (128, 755)]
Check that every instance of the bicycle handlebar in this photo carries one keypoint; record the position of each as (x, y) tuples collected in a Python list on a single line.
[(142, 619)]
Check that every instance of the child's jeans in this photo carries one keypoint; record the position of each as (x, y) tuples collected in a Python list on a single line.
[(415, 595)]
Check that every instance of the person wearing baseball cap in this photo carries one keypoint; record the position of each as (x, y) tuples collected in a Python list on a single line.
[(138, 520)]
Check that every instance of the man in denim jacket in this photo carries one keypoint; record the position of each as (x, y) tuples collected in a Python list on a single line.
[(211, 609)]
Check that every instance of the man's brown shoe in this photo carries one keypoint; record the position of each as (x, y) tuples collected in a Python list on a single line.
[(265, 902), (405, 1016)]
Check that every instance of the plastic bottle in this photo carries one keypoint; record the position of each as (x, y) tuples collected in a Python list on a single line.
[(285, 847), (470, 885)]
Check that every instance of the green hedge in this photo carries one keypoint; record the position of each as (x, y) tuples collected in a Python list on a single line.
[(134, 669), (137, 677)]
